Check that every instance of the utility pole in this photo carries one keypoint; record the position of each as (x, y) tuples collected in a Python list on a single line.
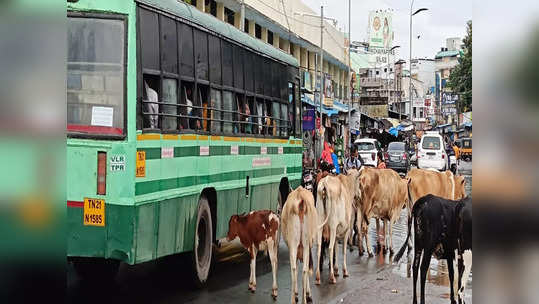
[(349, 73), (410, 63), (322, 87)]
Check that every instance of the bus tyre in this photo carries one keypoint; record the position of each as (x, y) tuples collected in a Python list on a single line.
[(201, 256), (96, 268)]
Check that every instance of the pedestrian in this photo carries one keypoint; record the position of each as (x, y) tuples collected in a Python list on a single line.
[(353, 161), (381, 163)]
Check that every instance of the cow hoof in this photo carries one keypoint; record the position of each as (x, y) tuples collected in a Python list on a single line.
[(361, 253), (309, 299), (391, 251), (317, 282), (384, 250), (345, 274), (296, 298), (274, 294), (332, 281), (371, 255)]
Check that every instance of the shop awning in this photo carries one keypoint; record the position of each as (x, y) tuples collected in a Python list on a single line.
[(341, 107), (325, 110)]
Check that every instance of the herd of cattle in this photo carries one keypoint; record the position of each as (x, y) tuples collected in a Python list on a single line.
[(341, 209)]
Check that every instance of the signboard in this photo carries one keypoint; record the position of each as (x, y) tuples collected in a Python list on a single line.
[(117, 162), (141, 164), (418, 103), (328, 86), (308, 119), (449, 109), (355, 121), (381, 29), (307, 81), (94, 212), (449, 98)]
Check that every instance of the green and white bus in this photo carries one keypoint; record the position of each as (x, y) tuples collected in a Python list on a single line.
[(175, 122)]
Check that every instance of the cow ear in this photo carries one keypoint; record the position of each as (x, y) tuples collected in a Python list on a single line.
[(408, 180), (463, 181)]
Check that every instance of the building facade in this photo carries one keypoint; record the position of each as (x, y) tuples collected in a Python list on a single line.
[(292, 27)]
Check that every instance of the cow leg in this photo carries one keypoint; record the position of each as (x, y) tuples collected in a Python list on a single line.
[(344, 243), (467, 260), (415, 269), (251, 265), (318, 261), (425, 262), (293, 273), (332, 237), (272, 250), (333, 256), (377, 235), (253, 269), (386, 241), (368, 242), (451, 271), (359, 222), (305, 281), (391, 251)]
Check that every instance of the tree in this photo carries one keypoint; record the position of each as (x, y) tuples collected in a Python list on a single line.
[(460, 80)]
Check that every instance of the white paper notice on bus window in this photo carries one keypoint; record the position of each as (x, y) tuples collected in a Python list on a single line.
[(102, 116)]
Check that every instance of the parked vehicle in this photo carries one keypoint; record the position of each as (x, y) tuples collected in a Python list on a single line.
[(397, 157), (453, 162), (368, 149), (412, 153), (431, 152), (466, 149)]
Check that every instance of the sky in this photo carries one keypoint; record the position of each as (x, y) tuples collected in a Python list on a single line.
[(444, 19)]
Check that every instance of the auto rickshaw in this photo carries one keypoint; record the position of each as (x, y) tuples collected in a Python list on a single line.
[(466, 149)]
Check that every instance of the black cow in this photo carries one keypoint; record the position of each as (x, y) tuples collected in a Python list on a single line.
[(437, 231), (464, 243)]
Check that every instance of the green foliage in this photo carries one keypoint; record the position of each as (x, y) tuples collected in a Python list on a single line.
[(460, 80)]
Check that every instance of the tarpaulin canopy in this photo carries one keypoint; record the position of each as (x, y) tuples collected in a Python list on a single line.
[(325, 110)]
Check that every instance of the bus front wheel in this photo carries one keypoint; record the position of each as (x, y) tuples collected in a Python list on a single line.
[(201, 255)]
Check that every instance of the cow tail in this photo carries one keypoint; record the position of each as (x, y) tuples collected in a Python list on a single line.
[(404, 245), (325, 198)]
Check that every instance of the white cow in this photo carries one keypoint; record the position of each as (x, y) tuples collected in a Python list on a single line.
[(334, 205), (299, 227)]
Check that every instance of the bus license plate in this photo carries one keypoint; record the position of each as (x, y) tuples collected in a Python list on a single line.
[(94, 212)]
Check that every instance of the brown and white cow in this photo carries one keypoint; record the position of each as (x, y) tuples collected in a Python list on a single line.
[(334, 205), (257, 231), (383, 194), (442, 184), (299, 228)]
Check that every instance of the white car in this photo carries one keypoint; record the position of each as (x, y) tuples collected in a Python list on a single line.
[(431, 153), (368, 149)]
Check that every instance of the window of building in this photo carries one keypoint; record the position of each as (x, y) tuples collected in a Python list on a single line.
[(229, 16), (95, 68), (246, 25), (258, 31), (213, 8), (270, 37)]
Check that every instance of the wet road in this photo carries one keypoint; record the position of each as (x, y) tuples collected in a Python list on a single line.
[(372, 280)]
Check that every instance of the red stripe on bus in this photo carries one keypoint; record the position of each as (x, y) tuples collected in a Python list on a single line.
[(75, 204), (95, 129)]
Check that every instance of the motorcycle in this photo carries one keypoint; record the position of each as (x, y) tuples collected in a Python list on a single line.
[(308, 179), (453, 162)]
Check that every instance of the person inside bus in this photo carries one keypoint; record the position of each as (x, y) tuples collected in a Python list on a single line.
[(247, 118), (152, 107), (194, 123)]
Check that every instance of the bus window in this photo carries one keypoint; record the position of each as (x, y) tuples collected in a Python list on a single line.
[(250, 109), (187, 56), (260, 117), (150, 97), (169, 50), (95, 67), (188, 122), (170, 89), (228, 117), (285, 121), (216, 115), (201, 54), (203, 94), (239, 114), (276, 119)]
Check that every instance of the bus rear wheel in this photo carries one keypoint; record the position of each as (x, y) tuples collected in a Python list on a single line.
[(201, 256)]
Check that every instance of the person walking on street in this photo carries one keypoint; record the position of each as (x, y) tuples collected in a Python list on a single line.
[(353, 161), (381, 163)]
